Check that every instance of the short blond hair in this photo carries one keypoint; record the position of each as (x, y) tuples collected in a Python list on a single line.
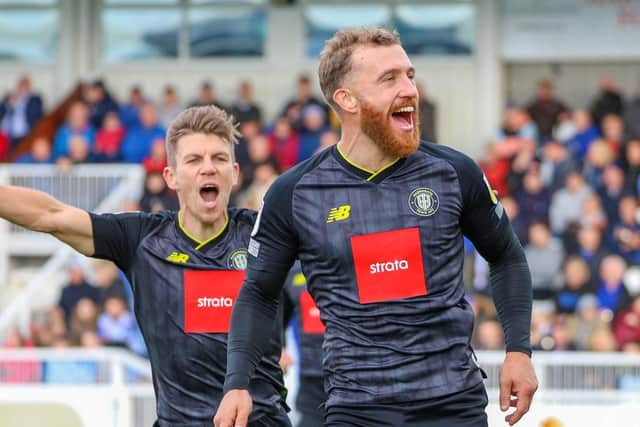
[(208, 120), (335, 58)]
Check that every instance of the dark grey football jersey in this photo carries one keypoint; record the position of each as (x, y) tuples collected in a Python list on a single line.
[(184, 292), (383, 253)]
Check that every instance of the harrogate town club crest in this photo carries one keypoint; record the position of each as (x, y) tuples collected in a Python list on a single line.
[(238, 260), (423, 201)]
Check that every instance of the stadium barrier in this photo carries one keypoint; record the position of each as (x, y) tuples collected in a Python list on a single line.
[(98, 188)]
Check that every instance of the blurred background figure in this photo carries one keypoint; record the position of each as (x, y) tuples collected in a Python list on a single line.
[(20, 110)]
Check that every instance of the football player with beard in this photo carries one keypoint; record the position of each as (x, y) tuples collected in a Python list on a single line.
[(378, 223)]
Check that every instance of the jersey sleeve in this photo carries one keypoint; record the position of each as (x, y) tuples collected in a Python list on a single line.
[(486, 224), (116, 236), (272, 250)]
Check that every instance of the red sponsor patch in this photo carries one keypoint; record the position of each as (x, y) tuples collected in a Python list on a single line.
[(209, 297), (311, 323), (388, 265)]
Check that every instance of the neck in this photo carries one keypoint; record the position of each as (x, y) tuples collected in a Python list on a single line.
[(199, 231), (362, 150)]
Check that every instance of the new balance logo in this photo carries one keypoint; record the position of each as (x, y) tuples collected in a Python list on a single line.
[(339, 214), (178, 257)]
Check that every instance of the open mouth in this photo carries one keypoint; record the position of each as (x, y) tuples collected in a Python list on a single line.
[(403, 118), (209, 194)]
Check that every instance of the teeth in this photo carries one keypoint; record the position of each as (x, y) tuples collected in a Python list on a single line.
[(408, 109)]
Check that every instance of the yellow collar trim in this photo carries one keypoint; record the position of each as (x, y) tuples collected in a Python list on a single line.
[(202, 243)]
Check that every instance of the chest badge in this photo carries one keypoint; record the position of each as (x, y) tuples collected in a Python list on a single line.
[(237, 260), (423, 201)]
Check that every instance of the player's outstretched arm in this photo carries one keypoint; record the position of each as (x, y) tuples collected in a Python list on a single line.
[(38, 211)]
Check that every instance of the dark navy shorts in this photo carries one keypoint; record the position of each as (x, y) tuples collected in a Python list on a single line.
[(462, 409)]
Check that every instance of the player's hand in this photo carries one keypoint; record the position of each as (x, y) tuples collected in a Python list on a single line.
[(285, 361), (517, 380), (234, 409)]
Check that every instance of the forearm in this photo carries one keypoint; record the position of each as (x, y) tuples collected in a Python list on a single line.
[(31, 209), (511, 287), (252, 323)]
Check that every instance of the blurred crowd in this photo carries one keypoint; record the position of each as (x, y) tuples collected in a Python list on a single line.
[(567, 177), (569, 180)]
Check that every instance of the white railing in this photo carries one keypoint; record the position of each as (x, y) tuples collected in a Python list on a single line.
[(117, 392), (104, 387), (99, 188)]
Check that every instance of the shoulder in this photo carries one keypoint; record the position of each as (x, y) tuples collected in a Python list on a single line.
[(458, 160), (242, 217)]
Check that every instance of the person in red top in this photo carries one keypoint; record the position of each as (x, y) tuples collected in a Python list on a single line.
[(284, 142), (109, 138)]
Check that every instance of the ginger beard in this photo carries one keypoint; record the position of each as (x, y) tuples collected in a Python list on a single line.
[(378, 126)]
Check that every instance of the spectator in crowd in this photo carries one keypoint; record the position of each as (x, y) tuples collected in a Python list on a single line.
[(77, 124), (78, 153), (130, 112), (285, 143), (611, 292), (4, 145), (541, 325), (293, 109), (259, 152), (533, 198), (109, 139), (157, 196), (599, 156), (137, 143), (264, 173), (169, 107), (314, 119), (612, 190), (116, 325), (428, 115), (561, 335), (544, 254), (248, 130), (593, 214), (632, 116), (156, 161), (207, 96), (108, 281), (40, 153), (566, 203), (83, 319), (556, 163), (626, 326), (512, 208), (75, 290), (626, 231), (608, 101), (601, 339), (20, 110), (631, 166), (99, 103), (489, 336), (516, 142), (613, 133), (589, 318), (496, 169), (576, 282), (590, 248), (586, 133), (245, 108), (545, 110)]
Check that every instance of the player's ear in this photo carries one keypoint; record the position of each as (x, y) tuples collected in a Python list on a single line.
[(170, 177), (236, 173), (345, 99)]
